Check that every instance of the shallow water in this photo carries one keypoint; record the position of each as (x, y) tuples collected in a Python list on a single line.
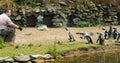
[(99, 57)]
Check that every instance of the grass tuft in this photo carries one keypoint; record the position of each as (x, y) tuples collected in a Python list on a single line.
[(30, 45), (2, 44)]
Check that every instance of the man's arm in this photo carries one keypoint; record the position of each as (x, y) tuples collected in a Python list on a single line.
[(14, 26), (9, 22), (17, 27)]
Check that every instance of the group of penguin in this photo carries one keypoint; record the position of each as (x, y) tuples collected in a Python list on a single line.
[(111, 33)]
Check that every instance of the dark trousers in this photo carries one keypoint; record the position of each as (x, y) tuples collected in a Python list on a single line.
[(8, 35)]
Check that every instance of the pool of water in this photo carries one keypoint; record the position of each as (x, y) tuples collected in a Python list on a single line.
[(98, 57)]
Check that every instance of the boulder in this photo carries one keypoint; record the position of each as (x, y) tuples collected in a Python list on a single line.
[(47, 56), (63, 3), (40, 18), (6, 59), (36, 56), (36, 9), (1, 60), (19, 17), (56, 20), (22, 58), (9, 60), (15, 14), (42, 27)]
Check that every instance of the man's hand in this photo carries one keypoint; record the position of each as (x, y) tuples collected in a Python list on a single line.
[(20, 28)]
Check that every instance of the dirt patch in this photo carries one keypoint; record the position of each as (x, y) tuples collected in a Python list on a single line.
[(32, 35)]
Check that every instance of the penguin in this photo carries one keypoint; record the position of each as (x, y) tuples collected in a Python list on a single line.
[(88, 38), (118, 37), (70, 36), (110, 31), (105, 33), (100, 39), (115, 33)]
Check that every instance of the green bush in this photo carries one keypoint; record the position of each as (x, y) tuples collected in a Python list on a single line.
[(83, 24), (24, 2), (60, 43), (30, 45), (17, 46), (2, 43), (53, 50)]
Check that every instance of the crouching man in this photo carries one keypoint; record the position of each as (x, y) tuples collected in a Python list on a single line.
[(7, 27)]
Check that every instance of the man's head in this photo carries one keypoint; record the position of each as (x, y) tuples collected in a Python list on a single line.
[(8, 12)]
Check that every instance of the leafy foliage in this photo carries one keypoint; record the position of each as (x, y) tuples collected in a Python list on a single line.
[(77, 6), (2, 43), (17, 46), (53, 50), (7, 4), (86, 1), (30, 45), (83, 24), (24, 2)]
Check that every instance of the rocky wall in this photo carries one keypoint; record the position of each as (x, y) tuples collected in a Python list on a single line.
[(62, 14)]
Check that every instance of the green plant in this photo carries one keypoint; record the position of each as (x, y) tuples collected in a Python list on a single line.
[(53, 50), (59, 42), (77, 5), (86, 2), (30, 45), (83, 24), (7, 4), (25, 2), (17, 46), (2, 43), (39, 45)]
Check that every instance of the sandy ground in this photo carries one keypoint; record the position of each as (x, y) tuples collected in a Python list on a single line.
[(32, 35)]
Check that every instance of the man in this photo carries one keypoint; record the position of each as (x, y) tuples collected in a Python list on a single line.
[(7, 27)]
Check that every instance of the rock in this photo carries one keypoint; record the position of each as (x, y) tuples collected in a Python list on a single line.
[(88, 16), (113, 13), (109, 20), (9, 60), (19, 17), (87, 10), (1, 60), (28, 14), (56, 20), (95, 8), (15, 14), (29, 9), (36, 56), (38, 61), (6, 59), (104, 7), (92, 4), (38, 4), (63, 3), (47, 56), (57, 24), (36, 9), (43, 10), (42, 27), (76, 20), (84, 13), (22, 58), (40, 18), (99, 5), (23, 11)]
